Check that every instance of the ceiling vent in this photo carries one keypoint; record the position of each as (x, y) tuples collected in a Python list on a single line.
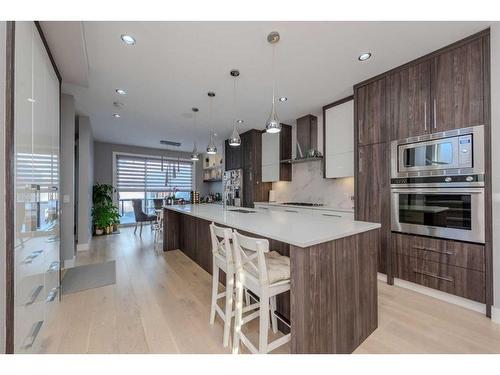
[(170, 143)]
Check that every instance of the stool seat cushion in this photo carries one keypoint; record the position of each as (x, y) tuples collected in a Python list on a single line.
[(278, 267)]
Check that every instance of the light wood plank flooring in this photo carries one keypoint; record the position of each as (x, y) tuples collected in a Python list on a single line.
[(160, 304)]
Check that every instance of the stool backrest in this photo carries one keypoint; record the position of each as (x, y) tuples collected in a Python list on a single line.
[(221, 242), (249, 254)]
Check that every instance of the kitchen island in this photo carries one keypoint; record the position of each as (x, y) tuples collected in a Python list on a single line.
[(332, 304)]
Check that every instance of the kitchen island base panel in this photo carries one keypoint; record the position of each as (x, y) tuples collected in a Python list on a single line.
[(332, 304), (334, 294)]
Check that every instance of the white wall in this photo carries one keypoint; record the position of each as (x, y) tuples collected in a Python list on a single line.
[(308, 184), (85, 181), (67, 177), (2, 184), (495, 136)]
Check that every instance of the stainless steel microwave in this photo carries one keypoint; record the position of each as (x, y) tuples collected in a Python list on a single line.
[(454, 152)]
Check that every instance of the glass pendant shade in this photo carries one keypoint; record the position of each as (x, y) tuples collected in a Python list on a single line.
[(235, 139), (273, 124), (211, 149)]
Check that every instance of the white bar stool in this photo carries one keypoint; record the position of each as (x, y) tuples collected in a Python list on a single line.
[(266, 274), (158, 231), (222, 260)]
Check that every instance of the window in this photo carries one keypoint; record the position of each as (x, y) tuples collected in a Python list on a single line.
[(149, 178)]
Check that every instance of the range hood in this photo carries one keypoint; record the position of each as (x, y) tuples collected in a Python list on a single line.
[(307, 141)]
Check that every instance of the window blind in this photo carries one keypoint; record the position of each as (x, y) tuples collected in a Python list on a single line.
[(40, 169), (136, 173)]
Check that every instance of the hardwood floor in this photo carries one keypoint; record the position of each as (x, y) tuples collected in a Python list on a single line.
[(160, 304)]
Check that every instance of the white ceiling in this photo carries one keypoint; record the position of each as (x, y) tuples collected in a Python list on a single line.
[(174, 64)]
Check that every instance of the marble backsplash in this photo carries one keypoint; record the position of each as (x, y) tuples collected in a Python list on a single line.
[(308, 185)]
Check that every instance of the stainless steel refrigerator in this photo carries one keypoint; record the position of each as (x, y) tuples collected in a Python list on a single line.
[(232, 186)]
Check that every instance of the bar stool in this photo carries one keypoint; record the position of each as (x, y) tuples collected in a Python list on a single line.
[(266, 274), (222, 260), (158, 231)]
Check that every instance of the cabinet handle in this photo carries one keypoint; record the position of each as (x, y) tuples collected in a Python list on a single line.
[(263, 208), (331, 215), (35, 295), (435, 124), (33, 255), (292, 211), (425, 115), (30, 340), (433, 250), (360, 165), (52, 295), (449, 279)]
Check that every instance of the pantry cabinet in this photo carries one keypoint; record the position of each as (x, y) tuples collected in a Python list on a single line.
[(445, 90)]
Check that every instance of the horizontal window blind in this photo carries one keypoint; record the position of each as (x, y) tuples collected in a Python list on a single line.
[(136, 173), (39, 169)]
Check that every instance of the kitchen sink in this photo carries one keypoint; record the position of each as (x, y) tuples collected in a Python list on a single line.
[(242, 211)]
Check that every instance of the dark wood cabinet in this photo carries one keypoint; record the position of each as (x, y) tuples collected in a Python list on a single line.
[(409, 101), (456, 253), (447, 265), (233, 156), (371, 112), (248, 157), (458, 87), (372, 195)]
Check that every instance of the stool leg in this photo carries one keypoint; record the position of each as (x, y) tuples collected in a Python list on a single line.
[(140, 232), (229, 306), (264, 322), (238, 314), (135, 230), (247, 298), (215, 290), (274, 320)]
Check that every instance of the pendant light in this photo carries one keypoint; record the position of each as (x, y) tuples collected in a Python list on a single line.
[(235, 139), (273, 124), (195, 156), (211, 148)]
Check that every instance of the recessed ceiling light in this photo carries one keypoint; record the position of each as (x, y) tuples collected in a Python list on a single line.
[(283, 99), (127, 39), (121, 92), (364, 56), (116, 115), (240, 121)]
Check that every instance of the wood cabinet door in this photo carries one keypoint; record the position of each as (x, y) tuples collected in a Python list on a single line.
[(458, 87), (409, 101), (372, 195), (371, 112), (228, 155)]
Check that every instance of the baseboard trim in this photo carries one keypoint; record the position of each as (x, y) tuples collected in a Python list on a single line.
[(381, 276), (69, 263), (495, 314), (82, 247), (450, 298)]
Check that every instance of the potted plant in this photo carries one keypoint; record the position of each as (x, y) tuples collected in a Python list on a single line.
[(105, 215)]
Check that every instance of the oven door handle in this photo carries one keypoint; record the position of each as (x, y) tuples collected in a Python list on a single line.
[(452, 191)]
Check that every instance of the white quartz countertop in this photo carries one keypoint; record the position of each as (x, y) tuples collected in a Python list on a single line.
[(327, 208), (295, 228)]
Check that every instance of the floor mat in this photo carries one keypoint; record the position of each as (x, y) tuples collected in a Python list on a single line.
[(89, 276)]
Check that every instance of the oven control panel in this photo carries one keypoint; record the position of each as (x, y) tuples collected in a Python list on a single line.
[(465, 150)]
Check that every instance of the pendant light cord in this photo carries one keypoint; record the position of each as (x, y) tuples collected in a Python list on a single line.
[(234, 102), (272, 69)]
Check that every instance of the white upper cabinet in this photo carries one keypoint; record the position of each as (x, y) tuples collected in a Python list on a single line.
[(339, 140), (270, 157)]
